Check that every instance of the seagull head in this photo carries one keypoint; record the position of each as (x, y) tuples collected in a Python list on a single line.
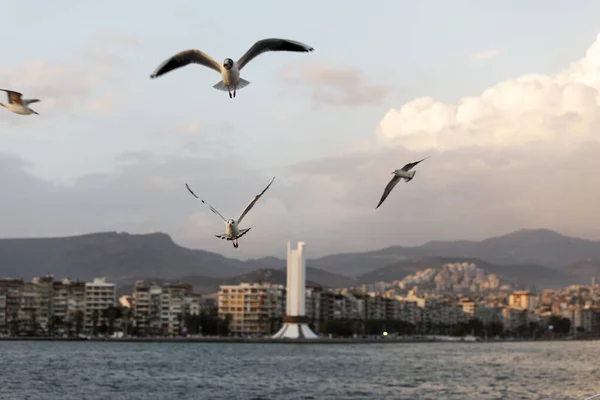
[(228, 63), (230, 222)]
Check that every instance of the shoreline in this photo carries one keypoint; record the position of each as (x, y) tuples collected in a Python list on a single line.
[(280, 341)]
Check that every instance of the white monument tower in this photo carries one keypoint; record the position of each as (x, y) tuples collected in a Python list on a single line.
[(295, 323)]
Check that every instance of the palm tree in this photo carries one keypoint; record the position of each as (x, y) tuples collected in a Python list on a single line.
[(95, 317), (180, 319), (33, 322), (78, 318), (14, 324), (126, 324), (68, 324), (54, 323)]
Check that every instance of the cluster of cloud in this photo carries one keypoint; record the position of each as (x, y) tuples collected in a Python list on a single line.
[(522, 154), (342, 86), (561, 109), (70, 84)]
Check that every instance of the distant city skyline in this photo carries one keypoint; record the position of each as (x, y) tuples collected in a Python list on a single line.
[(505, 104)]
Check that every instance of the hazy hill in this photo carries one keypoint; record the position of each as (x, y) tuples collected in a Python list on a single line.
[(123, 257), (528, 274), (526, 246), (205, 285), (118, 256), (585, 271)]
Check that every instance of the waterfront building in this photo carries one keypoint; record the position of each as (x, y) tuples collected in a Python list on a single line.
[(251, 307), (161, 310), (99, 295), (524, 300)]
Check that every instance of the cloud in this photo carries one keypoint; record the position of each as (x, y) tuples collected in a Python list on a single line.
[(485, 55), (560, 110), (190, 127), (522, 154), (342, 86), (69, 84)]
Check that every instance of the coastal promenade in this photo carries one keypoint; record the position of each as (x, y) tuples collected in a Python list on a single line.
[(267, 340)]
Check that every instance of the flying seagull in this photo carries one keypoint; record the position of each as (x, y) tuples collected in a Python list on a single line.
[(232, 230), (403, 173), (18, 105), (230, 70)]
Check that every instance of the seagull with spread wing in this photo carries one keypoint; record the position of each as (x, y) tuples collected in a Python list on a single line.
[(18, 105), (399, 174), (230, 70), (232, 230)]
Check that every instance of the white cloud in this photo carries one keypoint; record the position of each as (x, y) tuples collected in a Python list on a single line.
[(485, 55), (561, 110)]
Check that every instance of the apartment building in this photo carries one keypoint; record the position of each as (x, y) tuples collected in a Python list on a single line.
[(584, 320), (43, 288), (99, 295), (513, 318), (251, 306), (523, 300), (162, 309)]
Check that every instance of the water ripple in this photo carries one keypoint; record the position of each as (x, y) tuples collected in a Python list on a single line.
[(119, 371)]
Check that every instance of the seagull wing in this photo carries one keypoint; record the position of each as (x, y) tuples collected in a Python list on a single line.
[(211, 207), (249, 207), (13, 97), (184, 58), (29, 101), (388, 189), (411, 165), (265, 45)]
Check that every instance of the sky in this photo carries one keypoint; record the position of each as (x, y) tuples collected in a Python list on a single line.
[(503, 97)]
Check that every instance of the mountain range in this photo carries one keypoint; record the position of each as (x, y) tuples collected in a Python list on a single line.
[(537, 257)]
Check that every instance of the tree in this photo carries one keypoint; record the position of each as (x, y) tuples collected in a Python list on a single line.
[(15, 328), (68, 325), (54, 323), (223, 325), (495, 328), (343, 328), (78, 318), (475, 327), (560, 325), (127, 324), (192, 323), (110, 315), (275, 323), (33, 322), (180, 326), (95, 317)]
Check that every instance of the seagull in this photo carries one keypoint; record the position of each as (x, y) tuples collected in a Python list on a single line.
[(232, 231), (230, 70), (18, 105), (398, 175)]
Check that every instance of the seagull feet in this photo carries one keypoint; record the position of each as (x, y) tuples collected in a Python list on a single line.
[(235, 244), (234, 90), (229, 90)]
